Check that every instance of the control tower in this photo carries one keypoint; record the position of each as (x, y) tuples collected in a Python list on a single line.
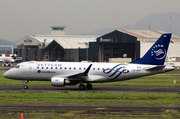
[(57, 30)]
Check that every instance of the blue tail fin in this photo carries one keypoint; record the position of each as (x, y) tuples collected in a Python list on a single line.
[(156, 55)]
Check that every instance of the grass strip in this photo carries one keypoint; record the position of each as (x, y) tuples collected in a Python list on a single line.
[(90, 98)]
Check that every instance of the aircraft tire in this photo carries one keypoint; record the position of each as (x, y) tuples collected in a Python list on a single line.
[(81, 87), (26, 87), (89, 86)]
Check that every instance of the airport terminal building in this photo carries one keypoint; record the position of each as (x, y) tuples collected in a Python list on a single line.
[(130, 44)]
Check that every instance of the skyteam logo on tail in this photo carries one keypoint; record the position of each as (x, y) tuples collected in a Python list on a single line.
[(116, 71), (158, 52)]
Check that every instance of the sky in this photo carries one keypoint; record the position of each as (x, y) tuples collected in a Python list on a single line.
[(20, 18)]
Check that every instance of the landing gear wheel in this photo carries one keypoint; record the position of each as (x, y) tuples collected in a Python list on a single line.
[(26, 87), (89, 86), (81, 87), (25, 84)]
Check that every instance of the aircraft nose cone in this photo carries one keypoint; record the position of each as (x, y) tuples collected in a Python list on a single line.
[(5, 74)]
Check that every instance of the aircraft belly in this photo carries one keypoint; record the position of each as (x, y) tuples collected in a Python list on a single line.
[(97, 79)]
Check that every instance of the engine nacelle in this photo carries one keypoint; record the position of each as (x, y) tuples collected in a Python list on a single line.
[(58, 82)]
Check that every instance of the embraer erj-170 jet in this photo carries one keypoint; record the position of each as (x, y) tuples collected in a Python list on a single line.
[(72, 73)]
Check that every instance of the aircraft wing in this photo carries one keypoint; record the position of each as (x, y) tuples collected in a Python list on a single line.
[(81, 76)]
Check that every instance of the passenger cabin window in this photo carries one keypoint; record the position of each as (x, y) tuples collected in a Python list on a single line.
[(51, 67), (42, 67), (46, 67), (37, 67)]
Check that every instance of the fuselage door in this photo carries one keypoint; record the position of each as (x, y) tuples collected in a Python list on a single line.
[(30, 68)]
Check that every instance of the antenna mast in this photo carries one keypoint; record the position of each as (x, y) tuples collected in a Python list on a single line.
[(170, 23)]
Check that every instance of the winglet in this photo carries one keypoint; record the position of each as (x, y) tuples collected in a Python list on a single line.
[(87, 70), (156, 55), (85, 73)]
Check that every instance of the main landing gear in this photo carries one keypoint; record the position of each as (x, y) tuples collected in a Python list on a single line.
[(25, 84), (88, 86)]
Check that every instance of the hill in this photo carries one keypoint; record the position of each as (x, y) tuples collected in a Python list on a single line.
[(5, 42), (168, 22)]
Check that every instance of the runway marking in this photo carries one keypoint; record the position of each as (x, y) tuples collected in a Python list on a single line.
[(151, 88), (100, 108)]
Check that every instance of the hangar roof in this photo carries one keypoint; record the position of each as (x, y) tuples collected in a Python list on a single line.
[(66, 41), (147, 34)]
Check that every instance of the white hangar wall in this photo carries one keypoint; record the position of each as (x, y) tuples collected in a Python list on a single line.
[(172, 54)]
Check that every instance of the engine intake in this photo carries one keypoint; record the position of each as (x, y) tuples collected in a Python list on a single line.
[(58, 82)]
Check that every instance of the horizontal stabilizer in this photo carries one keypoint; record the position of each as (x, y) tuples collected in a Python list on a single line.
[(155, 68)]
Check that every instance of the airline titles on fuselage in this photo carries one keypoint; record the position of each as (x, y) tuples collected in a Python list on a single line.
[(49, 65)]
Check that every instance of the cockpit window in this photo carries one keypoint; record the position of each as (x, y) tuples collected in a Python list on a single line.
[(17, 66)]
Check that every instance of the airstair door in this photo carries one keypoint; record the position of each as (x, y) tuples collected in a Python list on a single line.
[(30, 68)]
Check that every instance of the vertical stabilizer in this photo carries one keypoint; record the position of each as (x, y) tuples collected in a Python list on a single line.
[(156, 55)]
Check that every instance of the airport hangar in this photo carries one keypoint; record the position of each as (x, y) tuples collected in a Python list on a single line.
[(121, 44)]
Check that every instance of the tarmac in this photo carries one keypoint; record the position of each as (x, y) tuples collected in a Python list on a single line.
[(49, 88)]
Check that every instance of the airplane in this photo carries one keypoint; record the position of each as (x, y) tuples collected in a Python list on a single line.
[(71, 73), (6, 60)]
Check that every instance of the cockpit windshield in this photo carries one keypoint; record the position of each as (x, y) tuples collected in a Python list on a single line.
[(17, 66)]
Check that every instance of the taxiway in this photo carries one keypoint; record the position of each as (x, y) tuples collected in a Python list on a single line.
[(48, 88)]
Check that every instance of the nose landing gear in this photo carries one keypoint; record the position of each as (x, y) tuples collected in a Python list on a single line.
[(25, 84)]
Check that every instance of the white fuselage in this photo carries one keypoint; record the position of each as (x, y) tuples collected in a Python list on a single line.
[(99, 72), (6, 59)]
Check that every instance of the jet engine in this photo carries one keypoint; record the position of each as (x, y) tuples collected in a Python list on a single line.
[(58, 82)]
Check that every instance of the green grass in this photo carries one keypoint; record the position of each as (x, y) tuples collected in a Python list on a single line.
[(165, 80), (89, 98), (100, 99)]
